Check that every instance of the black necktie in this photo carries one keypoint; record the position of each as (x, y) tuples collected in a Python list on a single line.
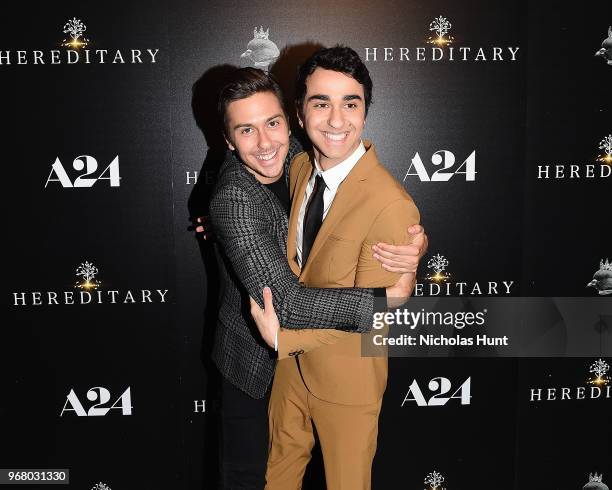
[(313, 218)]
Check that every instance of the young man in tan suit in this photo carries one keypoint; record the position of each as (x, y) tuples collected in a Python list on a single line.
[(344, 202)]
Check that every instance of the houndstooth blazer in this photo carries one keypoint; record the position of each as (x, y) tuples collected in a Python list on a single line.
[(251, 229)]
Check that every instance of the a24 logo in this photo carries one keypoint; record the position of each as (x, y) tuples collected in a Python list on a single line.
[(103, 397), (88, 165), (443, 174), (439, 387)]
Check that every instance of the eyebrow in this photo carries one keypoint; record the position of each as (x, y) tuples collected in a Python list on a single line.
[(326, 97), (249, 125)]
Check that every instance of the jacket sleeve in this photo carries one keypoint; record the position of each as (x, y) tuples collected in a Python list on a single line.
[(390, 226), (243, 232)]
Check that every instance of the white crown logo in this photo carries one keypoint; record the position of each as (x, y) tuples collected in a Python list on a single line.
[(602, 279), (605, 266), (261, 51), (261, 34), (595, 478)]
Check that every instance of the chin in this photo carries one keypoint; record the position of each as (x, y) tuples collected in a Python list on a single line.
[(271, 172), (336, 152)]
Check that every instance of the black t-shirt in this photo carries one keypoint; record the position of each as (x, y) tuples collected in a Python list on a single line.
[(281, 191)]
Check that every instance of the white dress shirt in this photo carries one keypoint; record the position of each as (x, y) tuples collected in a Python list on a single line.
[(332, 177)]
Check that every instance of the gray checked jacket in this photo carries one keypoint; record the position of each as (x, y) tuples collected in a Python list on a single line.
[(251, 229)]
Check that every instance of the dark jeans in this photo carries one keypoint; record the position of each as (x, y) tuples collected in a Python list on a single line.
[(243, 439)]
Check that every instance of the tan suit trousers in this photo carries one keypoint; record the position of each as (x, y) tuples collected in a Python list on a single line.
[(347, 434)]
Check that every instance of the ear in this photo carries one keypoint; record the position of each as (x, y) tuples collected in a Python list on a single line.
[(229, 144)]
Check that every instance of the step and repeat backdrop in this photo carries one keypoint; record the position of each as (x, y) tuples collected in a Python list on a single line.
[(495, 116)]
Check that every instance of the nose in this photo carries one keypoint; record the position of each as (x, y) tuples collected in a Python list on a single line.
[(264, 140), (336, 119)]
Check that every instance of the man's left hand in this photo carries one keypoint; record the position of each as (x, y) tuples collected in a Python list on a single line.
[(403, 258), (266, 319)]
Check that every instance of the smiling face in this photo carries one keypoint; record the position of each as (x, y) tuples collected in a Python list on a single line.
[(257, 129), (333, 114)]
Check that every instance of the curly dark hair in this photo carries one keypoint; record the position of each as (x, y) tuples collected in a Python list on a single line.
[(338, 58)]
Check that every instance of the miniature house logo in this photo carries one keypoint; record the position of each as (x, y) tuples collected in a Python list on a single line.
[(261, 52), (441, 26), (606, 145), (75, 28), (434, 480), (595, 483), (599, 370), (602, 279), (606, 48)]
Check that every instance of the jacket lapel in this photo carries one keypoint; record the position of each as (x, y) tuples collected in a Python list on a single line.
[(348, 194), (296, 203)]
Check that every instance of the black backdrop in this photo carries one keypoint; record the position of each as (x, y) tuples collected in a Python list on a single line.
[(525, 218)]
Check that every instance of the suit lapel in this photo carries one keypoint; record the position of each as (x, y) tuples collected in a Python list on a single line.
[(349, 193), (296, 203)]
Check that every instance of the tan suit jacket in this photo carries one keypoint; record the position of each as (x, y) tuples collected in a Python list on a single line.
[(370, 206)]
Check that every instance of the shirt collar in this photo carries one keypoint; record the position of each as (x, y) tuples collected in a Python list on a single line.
[(334, 176)]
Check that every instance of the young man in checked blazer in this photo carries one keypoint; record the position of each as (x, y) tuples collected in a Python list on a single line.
[(248, 210), (343, 202)]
